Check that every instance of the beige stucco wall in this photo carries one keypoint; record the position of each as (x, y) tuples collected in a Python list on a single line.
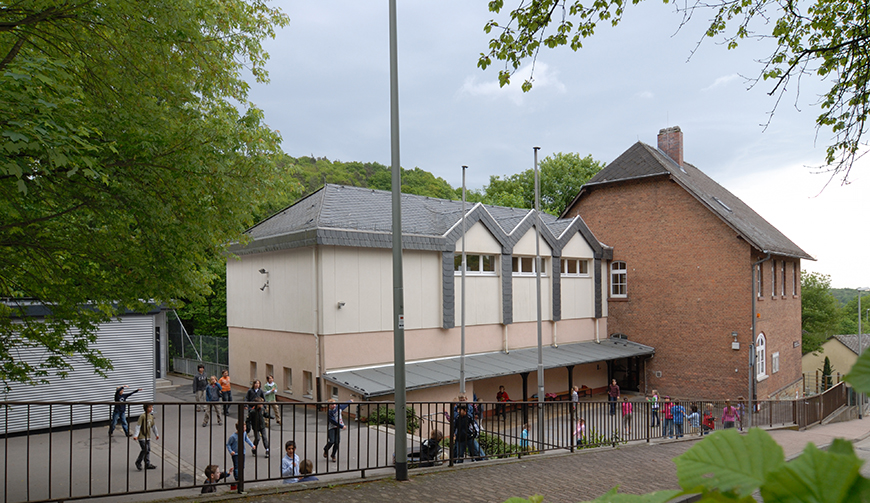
[(842, 358), (286, 305), (294, 351), (362, 278), (478, 239)]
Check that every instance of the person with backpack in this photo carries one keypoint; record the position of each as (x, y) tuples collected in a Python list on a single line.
[(667, 413), (431, 448), (708, 424), (462, 425), (679, 414)]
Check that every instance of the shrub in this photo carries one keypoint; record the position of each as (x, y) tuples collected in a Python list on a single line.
[(387, 415)]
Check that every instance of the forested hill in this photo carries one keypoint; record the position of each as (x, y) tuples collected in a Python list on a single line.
[(313, 172)]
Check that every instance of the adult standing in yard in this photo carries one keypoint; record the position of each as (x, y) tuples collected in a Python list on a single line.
[(200, 382), (334, 427), (502, 398), (270, 393), (613, 396), (120, 411), (226, 390)]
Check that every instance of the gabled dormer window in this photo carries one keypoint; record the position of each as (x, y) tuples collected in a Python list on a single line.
[(575, 267), (476, 264), (526, 265)]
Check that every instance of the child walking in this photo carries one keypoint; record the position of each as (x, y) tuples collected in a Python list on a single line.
[(212, 397), (626, 416), (695, 420), (234, 446), (580, 434), (145, 426), (257, 422)]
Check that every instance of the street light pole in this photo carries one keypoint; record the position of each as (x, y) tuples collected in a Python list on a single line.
[(860, 349)]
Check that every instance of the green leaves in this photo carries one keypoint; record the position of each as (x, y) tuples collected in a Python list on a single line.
[(815, 476), (729, 462), (129, 157), (827, 38), (859, 376)]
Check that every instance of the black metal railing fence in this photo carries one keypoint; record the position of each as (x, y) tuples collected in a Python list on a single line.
[(68, 454)]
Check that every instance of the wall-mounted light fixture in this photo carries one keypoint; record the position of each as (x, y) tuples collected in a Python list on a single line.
[(734, 344), (341, 304), (266, 284)]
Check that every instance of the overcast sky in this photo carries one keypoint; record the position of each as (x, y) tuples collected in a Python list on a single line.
[(329, 97)]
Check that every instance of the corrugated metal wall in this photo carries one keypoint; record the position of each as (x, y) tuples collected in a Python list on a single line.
[(128, 342)]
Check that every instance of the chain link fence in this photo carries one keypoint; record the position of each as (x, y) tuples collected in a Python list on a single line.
[(186, 351)]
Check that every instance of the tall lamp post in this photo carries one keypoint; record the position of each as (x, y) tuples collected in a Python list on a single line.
[(860, 349)]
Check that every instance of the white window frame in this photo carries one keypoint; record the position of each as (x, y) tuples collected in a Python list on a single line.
[(773, 278), (761, 357), (759, 282), (581, 267), (618, 278), (519, 264), (774, 362), (457, 264)]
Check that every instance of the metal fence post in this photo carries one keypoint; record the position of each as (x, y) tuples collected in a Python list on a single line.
[(240, 429)]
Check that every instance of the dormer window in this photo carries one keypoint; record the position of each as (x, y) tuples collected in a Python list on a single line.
[(476, 264), (526, 265)]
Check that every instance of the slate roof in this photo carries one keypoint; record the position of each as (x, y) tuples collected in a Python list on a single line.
[(378, 381), (851, 341), (355, 216), (643, 161)]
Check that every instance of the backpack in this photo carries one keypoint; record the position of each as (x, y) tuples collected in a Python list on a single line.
[(473, 428)]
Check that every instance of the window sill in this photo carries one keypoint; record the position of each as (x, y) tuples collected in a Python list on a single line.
[(308, 396), (288, 391), (759, 299), (618, 299), (761, 377), (458, 274)]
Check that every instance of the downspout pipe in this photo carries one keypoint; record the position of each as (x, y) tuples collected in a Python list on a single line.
[(752, 341)]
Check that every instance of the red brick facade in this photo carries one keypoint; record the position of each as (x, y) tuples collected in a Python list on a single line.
[(689, 287)]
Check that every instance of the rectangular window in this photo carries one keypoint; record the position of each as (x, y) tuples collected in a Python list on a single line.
[(288, 380), (782, 286), (774, 363), (773, 278), (575, 267), (759, 284), (270, 370), (308, 379), (794, 278), (618, 279), (477, 264), (253, 371), (526, 265), (334, 392)]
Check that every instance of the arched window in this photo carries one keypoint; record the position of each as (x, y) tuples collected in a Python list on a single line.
[(760, 356), (618, 280)]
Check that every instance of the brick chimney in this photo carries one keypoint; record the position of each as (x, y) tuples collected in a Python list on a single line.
[(671, 143)]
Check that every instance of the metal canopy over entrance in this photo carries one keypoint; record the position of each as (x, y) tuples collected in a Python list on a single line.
[(377, 381)]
